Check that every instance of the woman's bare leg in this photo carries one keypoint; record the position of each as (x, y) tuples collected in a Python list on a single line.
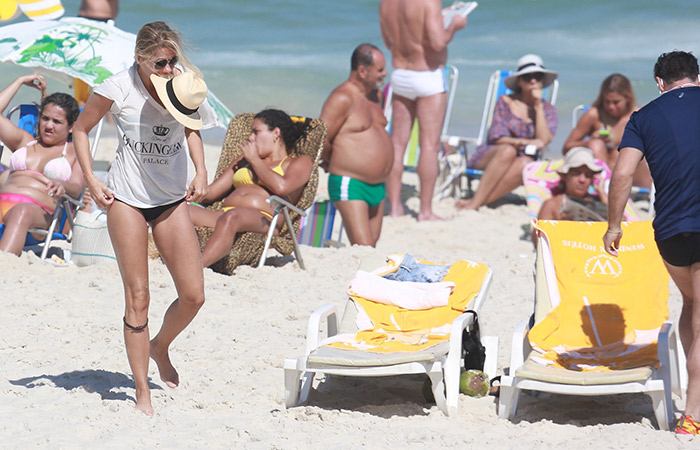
[(202, 217), (177, 244), (511, 179), (18, 220), (129, 234), (496, 162), (232, 222)]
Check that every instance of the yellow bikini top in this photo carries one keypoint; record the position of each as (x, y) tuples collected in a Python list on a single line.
[(245, 176)]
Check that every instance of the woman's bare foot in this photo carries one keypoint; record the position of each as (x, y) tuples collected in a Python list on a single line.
[(143, 402), (167, 372), (466, 204)]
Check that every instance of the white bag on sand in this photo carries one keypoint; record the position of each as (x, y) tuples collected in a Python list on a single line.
[(91, 243)]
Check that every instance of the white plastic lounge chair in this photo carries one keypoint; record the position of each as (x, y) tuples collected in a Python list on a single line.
[(625, 297), (440, 362)]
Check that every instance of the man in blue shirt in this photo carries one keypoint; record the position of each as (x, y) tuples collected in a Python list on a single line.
[(667, 133)]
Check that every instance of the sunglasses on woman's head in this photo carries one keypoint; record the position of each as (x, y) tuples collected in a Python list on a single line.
[(163, 62), (537, 76)]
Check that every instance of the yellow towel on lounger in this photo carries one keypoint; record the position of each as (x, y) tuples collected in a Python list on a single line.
[(395, 329), (610, 308)]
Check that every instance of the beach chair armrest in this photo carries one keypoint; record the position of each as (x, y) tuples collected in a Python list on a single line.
[(457, 141), (461, 323), (519, 348), (668, 355), (328, 312), (74, 201), (278, 202)]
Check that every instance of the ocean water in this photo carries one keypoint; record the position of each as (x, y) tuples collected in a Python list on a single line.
[(291, 53)]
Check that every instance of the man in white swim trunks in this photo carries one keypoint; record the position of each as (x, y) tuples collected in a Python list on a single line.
[(358, 153), (414, 32)]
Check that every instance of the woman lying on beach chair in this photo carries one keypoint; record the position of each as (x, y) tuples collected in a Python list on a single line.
[(269, 164), (42, 168)]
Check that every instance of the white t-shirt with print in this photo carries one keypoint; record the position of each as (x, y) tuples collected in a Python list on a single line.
[(150, 168)]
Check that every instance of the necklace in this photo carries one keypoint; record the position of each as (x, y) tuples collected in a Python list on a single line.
[(681, 86)]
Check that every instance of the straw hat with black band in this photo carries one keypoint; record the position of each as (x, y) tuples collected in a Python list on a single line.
[(182, 95), (528, 64)]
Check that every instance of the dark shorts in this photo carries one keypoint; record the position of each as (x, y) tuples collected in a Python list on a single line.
[(151, 214), (681, 250)]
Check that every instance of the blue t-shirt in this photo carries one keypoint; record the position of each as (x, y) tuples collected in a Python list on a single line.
[(667, 132)]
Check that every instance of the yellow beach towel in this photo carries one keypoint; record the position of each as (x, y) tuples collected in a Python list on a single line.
[(610, 309), (395, 329)]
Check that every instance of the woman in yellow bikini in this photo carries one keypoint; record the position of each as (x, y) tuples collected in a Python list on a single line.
[(42, 169), (268, 166)]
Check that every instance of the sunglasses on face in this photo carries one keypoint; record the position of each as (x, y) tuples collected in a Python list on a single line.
[(537, 76), (161, 63)]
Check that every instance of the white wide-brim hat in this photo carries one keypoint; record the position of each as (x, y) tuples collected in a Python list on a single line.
[(528, 64), (182, 96), (579, 157)]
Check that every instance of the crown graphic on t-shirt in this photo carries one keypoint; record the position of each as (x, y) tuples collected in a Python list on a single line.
[(160, 130)]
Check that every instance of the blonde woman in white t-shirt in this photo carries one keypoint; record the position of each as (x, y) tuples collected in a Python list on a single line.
[(156, 108)]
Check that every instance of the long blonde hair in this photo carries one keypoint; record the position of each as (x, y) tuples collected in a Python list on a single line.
[(618, 84), (156, 35)]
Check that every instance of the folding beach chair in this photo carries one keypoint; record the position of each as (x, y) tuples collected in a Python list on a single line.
[(600, 323), (251, 248), (316, 226), (413, 147), (496, 88), (379, 339)]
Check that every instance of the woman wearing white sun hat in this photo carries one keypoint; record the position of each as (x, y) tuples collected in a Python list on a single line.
[(158, 109), (523, 124)]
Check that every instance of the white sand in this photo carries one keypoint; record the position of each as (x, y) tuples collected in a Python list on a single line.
[(66, 382)]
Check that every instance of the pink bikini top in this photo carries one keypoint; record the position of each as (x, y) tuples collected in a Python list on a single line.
[(58, 168)]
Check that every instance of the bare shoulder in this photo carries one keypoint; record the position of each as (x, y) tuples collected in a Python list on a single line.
[(340, 99)]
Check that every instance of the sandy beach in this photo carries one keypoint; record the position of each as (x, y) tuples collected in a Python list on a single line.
[(66, 382)]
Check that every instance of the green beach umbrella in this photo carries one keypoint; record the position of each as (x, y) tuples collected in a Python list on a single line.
[(72, 47)]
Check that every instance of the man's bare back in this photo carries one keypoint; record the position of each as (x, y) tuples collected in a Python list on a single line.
[(99, 9), (413, 31)]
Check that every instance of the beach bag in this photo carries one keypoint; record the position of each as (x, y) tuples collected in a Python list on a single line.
[(91, 242), (473, 352)]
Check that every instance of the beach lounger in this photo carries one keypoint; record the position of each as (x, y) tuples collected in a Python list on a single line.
[(375, 339), (316, 226), (600, 323), (251, 248), (410, 160), (462, 182)]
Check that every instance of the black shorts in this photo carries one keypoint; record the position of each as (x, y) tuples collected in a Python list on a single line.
[(151, 214), (681, 250)]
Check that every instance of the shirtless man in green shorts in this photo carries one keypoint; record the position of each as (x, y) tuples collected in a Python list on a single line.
[(358, 153)]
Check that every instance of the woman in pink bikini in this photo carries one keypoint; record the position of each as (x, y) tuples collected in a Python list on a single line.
[(42, 169), (268, 166)]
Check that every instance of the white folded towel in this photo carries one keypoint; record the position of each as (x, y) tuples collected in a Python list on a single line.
[(405, 294)]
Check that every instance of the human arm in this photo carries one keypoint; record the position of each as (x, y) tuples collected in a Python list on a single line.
[(296, 174), (198, 188), (334, 113), (12, 136), (437, 36), (586, 126), (95, 108), (620, 187), (545, 119)]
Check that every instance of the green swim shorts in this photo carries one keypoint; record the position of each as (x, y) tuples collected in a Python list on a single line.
[(344, 188)]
